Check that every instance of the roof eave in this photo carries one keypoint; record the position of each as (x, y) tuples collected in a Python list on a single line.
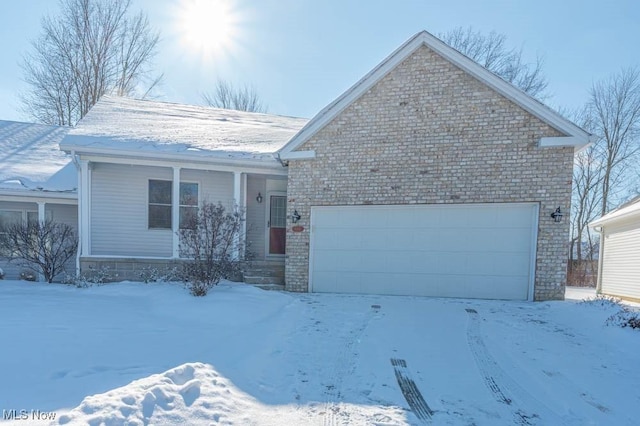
[(271, 163)]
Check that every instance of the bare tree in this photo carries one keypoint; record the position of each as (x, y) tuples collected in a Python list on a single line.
[(91, 48), (491, 52), (615, 107), (209, 239), (585, 207), (226, 96), (42, 247)]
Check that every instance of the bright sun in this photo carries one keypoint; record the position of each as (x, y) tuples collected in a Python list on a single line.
[(207, 26)]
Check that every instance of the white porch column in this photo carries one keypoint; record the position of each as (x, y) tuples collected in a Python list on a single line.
[(84, 204), (175, 211), (237, 201), (41, 215), (41, 219), (244, 213)]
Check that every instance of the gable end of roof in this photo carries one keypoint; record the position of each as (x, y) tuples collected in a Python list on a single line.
[(576, 136)]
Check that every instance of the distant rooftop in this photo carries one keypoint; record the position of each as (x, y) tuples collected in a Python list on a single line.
[(129, 125), (30, 158)]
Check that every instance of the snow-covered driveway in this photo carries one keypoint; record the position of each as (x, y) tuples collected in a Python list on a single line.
[(153, 354)]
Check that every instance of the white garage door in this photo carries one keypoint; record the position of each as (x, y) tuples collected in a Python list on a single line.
[(472, 250)]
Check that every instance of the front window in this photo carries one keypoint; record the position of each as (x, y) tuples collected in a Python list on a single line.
[(188, 204), (160, 203), (10, 217)]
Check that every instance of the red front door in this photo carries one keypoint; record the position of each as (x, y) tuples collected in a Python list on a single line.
[(277, 223)]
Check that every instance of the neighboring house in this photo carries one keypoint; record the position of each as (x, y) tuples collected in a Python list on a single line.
[(619, 264), (430, 176), (37, 180)]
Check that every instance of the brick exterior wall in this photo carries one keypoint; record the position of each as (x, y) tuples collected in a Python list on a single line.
[(429, 133)]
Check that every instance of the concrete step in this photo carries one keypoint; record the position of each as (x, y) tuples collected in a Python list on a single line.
[(263, 280), (277, 287)]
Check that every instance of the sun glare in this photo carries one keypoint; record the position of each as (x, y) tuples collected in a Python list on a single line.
[(207, 26)]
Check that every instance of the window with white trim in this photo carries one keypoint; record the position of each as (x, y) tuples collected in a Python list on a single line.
[(188, 204), (160, 203)]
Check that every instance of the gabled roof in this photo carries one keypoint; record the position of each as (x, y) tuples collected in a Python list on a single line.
[(575, 136), (628, 210), (146, 128), (30, 158)]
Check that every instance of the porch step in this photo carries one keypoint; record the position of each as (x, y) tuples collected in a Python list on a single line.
[(264, 272), (262, 280), (275, 287)]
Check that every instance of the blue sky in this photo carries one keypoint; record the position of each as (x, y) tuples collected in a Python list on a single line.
[(300, 55)]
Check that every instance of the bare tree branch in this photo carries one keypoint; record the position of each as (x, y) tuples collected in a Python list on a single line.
[(226, 96), (89, 49), (491, 52), (615, 108)]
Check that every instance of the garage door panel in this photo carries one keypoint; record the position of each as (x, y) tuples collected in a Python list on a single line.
[(327, 239), (436, 250)]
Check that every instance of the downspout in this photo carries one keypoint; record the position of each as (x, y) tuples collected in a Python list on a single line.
[(600, 230), (75, 160), (282, 162)]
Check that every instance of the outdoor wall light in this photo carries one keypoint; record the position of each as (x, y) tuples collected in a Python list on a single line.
[(259, 198), (557, 215), (295, 217)]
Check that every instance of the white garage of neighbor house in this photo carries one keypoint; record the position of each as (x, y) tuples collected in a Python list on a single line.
[(619, 262)]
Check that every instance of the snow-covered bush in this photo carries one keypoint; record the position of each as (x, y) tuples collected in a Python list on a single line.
[(94, 276), (603, 301), (209, 240), (624, 315), (28, 276), (150, 274), (1, 274), (625, 318)]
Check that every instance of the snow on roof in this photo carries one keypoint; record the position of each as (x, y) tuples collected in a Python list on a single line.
[(130, 125), (629, 209), (30, 158)]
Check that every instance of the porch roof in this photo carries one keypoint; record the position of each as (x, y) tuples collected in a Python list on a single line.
[(144, 128)]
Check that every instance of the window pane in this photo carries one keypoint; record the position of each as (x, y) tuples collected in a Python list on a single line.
[(32, 217), (278, 214), (159, 216), (160, 192), (188, 194), (188, 216), (9, 218)]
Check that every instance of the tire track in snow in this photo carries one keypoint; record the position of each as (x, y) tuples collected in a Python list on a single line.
[(343, 366), (410, 391), (501, 385)]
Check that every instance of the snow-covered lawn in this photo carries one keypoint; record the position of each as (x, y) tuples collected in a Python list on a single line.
[(137, 354)]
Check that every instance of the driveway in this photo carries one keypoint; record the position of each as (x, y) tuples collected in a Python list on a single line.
[(246, 356)]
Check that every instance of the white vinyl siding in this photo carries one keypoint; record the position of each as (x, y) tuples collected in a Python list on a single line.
[(119, 212), (621, 261), (119, 207), (256, 219), (470, 251)]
